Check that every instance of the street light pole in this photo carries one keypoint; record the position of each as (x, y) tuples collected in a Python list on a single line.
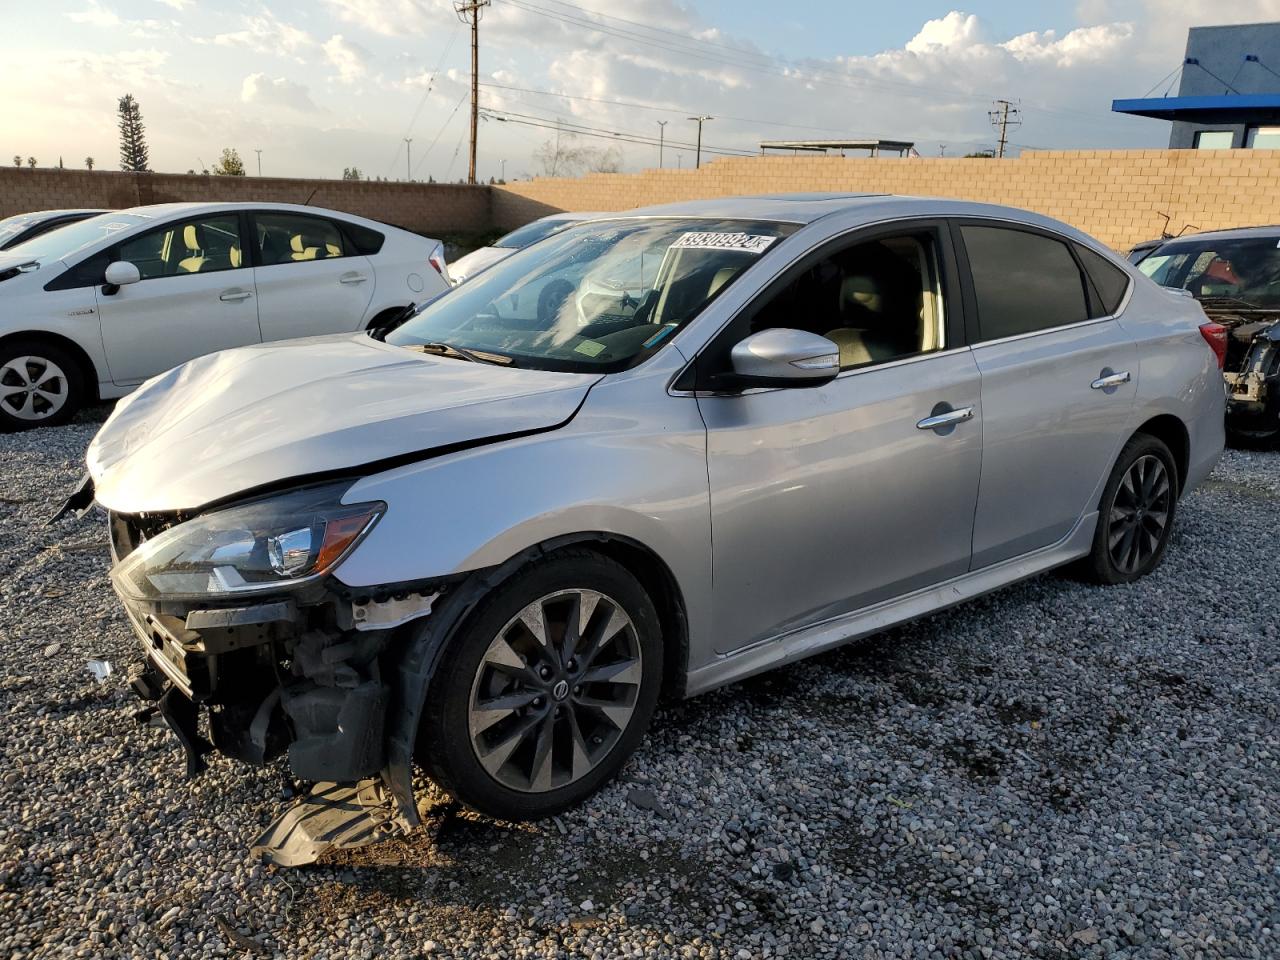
[(259, 153), (408, 169), (662, 129), (503, 178), (700, 120)]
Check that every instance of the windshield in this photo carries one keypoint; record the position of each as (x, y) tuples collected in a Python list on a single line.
[(64, 241), (532, 233), (1245, 269), (12, 226), (597, 297)]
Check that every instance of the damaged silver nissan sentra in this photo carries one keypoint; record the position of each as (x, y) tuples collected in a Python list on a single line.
[(648, 455)]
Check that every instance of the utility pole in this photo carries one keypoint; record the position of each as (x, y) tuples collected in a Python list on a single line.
[(942, 149), (1004, 116), (701, 120), (503, 178), (469, 13), (408, 168), (662, 129), (259, 153)]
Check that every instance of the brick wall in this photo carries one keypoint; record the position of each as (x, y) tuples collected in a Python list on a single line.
[(433, 209), (1115, 195)]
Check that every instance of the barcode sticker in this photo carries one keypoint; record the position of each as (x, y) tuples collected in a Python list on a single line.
[(744, 242)]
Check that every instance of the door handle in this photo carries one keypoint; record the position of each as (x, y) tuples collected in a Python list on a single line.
[(1109, 380), (948, 418), (233, 296), (353, 278)]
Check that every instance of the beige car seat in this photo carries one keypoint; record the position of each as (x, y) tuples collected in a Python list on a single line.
[(193, 240)]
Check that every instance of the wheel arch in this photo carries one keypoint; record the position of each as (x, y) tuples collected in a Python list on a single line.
[(419, 644), (1173, 433), (88, 369)]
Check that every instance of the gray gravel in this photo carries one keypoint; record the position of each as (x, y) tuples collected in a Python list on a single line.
[(1052, 771)]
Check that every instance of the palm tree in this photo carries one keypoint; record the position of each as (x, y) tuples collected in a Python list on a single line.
[(31, 162), (88, 162)]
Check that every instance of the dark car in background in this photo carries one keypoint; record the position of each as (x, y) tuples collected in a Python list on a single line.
[(27, 226), (1235, 274)]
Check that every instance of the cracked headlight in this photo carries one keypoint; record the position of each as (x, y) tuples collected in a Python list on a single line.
[(264, 545)]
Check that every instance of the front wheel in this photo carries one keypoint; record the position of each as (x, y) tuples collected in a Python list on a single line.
[(1135, 517), (546, 691), (40, 385)]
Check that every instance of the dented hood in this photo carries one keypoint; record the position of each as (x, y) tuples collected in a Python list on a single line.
[(241, 419)]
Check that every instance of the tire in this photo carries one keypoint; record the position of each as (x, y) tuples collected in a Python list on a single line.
[(41, 385), (565, 745), (1136, 514)]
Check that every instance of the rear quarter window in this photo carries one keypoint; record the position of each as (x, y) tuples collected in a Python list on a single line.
[(1110, 283), (364, 240)]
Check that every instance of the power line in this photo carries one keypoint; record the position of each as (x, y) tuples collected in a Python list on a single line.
[(601, 133), (431, 80), (434, 140)]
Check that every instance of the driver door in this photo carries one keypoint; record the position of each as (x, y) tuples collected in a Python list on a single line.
[(828, 499), (196, 296)]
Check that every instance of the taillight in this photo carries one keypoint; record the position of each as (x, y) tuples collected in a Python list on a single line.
[(1215, 335), (437, 260)]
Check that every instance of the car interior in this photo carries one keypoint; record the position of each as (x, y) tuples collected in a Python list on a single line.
[(200, 246), (876, 301), (288, 239)]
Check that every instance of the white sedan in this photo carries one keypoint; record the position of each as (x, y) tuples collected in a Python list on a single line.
[(466, 267), (95, 308)]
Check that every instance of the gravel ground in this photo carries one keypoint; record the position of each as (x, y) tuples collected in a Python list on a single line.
[(1052, 771)]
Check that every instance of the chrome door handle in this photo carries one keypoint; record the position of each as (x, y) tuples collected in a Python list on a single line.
[(948, 419), (353, 278), (232, 296), (1110, 380)]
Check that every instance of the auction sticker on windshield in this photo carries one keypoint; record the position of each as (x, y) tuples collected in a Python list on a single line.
[(746, 242)]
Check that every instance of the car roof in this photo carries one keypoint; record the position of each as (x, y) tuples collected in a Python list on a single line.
[(156, 210), (51, 214), (805, 208), (1235, 233)]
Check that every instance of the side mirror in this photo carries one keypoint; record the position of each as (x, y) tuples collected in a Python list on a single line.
[(122, 273), (784, 358)]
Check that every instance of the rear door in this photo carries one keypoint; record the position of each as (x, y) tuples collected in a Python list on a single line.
[(1059, 377), (309, 277), (196, 296)]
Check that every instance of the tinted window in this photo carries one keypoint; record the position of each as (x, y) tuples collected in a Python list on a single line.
[(289, 238), (198, 245), (1110, 283), (877, 300), (365, 240), (1023, 281)]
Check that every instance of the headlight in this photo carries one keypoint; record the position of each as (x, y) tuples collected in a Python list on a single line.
[(269, 544)]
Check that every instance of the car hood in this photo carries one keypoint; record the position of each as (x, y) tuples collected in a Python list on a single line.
[(242, 419), (477, 260)]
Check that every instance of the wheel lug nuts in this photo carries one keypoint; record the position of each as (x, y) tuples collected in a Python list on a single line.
[(577, 691), (545, 673), (537, 701), (572, 665)]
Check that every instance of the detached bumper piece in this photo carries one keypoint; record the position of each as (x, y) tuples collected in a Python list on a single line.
[(331, 817)]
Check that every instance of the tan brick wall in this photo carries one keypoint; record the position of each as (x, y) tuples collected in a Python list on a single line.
[(1115, 195), (433, 209)]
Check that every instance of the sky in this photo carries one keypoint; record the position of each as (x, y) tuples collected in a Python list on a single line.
[(321, 85)]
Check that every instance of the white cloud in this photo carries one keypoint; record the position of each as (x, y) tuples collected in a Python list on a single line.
[(350, 59), (276, 92), (95, 15), (269, 34), (955, 31), (177, 4), (1079, 46)]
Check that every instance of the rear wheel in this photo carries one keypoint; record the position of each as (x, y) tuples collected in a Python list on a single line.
[(41, 384), (1135, 519), (544, 694)]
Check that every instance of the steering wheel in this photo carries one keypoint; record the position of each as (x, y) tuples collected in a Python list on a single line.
[(552, 298)]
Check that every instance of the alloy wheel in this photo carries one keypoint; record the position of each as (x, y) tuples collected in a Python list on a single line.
[(555, 690), (32, 388), (1139, 515)]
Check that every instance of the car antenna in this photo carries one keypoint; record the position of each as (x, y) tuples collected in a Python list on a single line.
[(307, 202)]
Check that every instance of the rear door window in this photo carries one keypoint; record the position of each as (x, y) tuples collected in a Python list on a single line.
[(1023, 281), (296, 238)]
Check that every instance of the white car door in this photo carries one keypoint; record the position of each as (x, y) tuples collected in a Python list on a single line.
[(196, 296), (309, 280)]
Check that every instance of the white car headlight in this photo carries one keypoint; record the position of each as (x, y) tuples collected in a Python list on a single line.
[(269, 544)]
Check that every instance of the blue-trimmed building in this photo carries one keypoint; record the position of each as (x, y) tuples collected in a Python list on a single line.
[(1229, 92)]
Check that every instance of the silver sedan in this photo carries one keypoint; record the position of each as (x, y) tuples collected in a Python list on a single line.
[(652, 454)]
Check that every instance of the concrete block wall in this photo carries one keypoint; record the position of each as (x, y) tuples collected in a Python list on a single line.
[(1115, 195), (433, 209)]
